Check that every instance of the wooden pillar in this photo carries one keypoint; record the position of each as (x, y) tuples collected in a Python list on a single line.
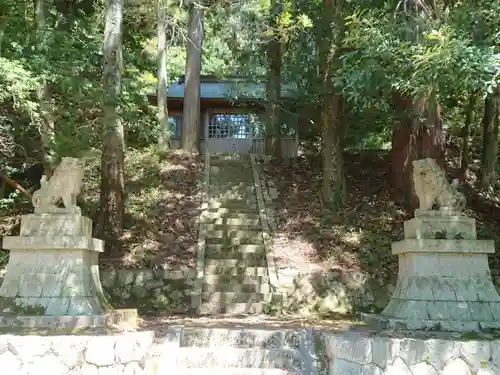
[(206, 120)]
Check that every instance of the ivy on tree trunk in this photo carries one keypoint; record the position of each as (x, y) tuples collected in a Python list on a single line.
[(191, 114), (490, 141), (44, 96), (164, 139), (417, 134), (112, 200), (273, 87), (331, 113), (417, 129), (469, 118)]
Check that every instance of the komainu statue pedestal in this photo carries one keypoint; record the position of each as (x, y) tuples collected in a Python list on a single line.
[(444, 281), (52, 278)]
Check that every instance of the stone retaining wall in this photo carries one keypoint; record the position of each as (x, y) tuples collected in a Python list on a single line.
[(149, 291), (350, 352), (163, 291), (128, 353), (336, 291), (358, 353)]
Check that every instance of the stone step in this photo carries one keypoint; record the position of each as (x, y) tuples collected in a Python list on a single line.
[(235, 279), (236, 288), (221, 298), (207, 308), (234, 248), (237, 241), (232, 221), (242, 338), (234, 263), (228, 157), (250, 204), (235, 371), (234, 214), (237, 259), (232, 230), (285, 359), (216, 269), (230, 192), (250, 253), (231, 176), (234, 235)]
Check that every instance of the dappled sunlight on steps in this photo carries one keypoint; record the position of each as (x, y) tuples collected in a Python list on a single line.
[(239, 352), (235, 273)]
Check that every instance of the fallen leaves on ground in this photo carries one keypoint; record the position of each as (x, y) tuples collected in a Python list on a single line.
[(162, 210), (162, 206), (310, 238)]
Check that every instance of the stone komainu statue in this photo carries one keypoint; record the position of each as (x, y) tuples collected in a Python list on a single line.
[(65, 184), (432, 187)]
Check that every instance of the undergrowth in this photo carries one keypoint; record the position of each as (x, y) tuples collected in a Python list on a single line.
[(160, 213)]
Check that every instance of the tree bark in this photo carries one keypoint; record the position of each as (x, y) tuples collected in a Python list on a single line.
[(191, 113), (331, 113), (112, 200), (44, 97), (164, 139), (489, 152), (469, 118), (417, 134), (273, 87)]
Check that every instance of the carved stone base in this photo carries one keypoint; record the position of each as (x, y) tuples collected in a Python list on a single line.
[(51, 282), (443, 284), (53, 273), (126, 317), (440, 225), (53, 226), (444, 325)]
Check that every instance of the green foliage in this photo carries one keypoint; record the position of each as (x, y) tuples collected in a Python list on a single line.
[(444, 57), (67, 56)]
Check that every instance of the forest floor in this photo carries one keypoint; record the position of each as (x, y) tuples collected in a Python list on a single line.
[(164, 198), (310, 239), (160, 214)]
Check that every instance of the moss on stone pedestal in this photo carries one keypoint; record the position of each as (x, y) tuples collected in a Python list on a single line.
[(11, 306)]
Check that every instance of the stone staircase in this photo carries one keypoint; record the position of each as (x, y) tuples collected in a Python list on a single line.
[(194, 351), (236, 279)]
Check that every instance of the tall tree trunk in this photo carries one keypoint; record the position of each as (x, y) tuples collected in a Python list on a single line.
[(489, 152), (417, 134), (164, 140), (331, 114), (469, 118), (417, 131), (191, 114), (112, 202), (44, 96), (273, 87)]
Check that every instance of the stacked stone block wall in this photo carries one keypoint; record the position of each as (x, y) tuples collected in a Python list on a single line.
[(62, 355), (354, 353)]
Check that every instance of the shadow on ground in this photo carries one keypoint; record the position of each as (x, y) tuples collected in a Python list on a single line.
[(347, 258), (160, 214)]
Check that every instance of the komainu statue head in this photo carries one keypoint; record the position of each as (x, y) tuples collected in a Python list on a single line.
[(65, 184), (432, 187)]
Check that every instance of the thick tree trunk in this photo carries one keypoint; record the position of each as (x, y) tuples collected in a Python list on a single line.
[(333, 161), (417, 134), (273, 88), (191, 115), (489, 152), (331, 116), (469, 118), (112, 202), (164, 140), (44, 97)]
